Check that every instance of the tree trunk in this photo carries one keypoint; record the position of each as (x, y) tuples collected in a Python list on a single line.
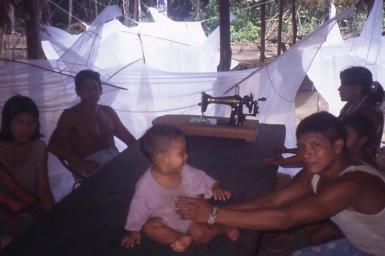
[(96, 9), (279, 37), (198, 9), (225, 47), (125, 5), (293, 22), (263, 32), (33, 21), (70, 11), (133, 8)]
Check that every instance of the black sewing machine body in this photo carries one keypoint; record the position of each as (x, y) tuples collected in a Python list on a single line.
[(236, 102)]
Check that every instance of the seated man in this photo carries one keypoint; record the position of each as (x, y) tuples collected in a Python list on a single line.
[(84, 136)]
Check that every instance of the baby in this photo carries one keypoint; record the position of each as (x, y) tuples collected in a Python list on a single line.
[(152, 209)]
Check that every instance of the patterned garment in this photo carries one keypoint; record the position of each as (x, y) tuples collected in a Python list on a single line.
[(334, 248)]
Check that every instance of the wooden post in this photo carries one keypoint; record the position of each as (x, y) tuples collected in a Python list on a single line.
[(96, 8), (125, 7), (293, 22), (70, 10), (32, 28), (198, 8), (263, 32), (279, 36), (134, 9), (225, 47)]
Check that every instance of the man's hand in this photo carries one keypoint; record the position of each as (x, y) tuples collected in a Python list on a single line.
[(281, 149), (220, 194), (196, 209), (273, 160), (131, 239)]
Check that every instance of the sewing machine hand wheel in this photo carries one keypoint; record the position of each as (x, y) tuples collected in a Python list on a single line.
[(248, 101)]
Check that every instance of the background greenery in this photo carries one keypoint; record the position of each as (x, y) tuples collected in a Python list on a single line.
[(246, 26)]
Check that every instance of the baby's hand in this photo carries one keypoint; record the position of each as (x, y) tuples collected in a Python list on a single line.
[(220, 194), (130, 239)]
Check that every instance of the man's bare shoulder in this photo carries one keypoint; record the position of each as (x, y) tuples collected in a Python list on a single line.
[(106, 109), (107, 112)]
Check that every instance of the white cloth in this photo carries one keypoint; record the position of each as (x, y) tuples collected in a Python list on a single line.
[(103, 156)]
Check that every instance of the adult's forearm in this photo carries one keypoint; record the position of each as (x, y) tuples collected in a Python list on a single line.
[(256, 219), (254, 203), (250, 204), (63, 152)]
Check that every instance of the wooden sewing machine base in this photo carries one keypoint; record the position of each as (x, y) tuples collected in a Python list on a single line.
[(211, 126)]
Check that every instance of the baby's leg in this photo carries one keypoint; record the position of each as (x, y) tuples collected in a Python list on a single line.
[(203, 233), (157, 230)]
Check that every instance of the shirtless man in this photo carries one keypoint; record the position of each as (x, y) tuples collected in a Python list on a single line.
[(84, 135)]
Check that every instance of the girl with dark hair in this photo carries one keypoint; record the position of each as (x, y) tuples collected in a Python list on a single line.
[(364, 96), (21, 151), (23, 161)]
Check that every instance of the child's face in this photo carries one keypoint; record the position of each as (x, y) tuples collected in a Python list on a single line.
[(176, 156), (23, 126), (354, 141), (317, 152)]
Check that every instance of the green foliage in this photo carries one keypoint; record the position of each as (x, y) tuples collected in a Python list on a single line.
[(244, 28), (181, 10), (310, 18), (241, 32), (210, 15)]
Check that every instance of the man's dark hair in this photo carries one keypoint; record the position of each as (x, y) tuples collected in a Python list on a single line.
[(325, 123), (362, 125), (87, 74), (16, 105), (158, 139)]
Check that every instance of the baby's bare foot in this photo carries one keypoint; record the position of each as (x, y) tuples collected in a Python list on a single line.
[(182, 243), (232, 233)]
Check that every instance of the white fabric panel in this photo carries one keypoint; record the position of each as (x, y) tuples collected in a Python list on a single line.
[(155, 88)]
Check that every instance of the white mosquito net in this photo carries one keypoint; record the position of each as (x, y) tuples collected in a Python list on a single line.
[(368, 50), (162, 71)]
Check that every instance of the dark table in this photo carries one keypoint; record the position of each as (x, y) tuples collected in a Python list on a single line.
[(90, 220)]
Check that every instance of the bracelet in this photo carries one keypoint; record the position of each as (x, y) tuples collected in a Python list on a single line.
[(213, 215)]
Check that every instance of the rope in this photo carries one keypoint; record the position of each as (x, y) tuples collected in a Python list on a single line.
[(60, 8), (155, 111), (54, 71), (239, 10)]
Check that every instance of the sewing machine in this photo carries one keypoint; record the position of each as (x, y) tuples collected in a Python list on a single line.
[(236, 103)]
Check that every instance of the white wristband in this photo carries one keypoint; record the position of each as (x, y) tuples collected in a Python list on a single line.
[(213, 215)]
